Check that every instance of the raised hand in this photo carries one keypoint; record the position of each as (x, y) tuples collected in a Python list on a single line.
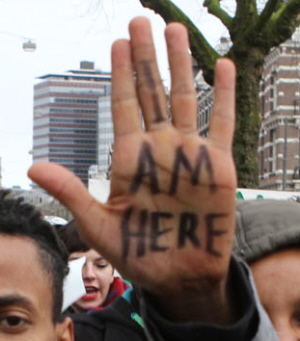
[(169, 220)]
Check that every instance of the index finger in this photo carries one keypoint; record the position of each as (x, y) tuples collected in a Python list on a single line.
[(222, 120)]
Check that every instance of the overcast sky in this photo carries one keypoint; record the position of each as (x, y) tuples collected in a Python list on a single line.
[(66, 32)]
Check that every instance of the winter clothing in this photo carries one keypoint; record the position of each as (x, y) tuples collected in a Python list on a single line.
[(264, 226), (117, 289)]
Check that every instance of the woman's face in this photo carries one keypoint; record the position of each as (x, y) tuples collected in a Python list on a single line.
[(97, 275)]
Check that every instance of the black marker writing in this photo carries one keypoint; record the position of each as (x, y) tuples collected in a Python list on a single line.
[(146, 168), (146, 236), (156, 231), (150, 81), (212, 233), (145, 218), (140, 234), (203, 160), (187, 229)]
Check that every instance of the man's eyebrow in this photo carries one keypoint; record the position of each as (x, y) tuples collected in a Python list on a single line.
[(15, 299)]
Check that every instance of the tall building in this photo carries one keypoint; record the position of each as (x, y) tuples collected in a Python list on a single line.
[(66, 117), (279, 140), (205, 97), (105, 141)]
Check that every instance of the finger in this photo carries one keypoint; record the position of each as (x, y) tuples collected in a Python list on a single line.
[(223, 115), (183, 94), (125, 105), (71, 192), (150, 89)]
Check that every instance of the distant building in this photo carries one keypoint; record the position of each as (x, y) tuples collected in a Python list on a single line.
[(279, 139), (45, 203), (106, 135), (66, 117), (205, 96), (105, 141)]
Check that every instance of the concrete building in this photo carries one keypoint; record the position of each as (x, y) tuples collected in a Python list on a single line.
[(279, 139), (106, 135), (66, 117), (101, 170), (205, 96), (45, 203)]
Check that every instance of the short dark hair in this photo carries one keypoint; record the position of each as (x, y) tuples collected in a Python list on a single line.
[(24, 220), (70, 237)]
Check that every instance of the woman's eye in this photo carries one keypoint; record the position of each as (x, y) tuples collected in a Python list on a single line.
[(13, 324), (101, 265)]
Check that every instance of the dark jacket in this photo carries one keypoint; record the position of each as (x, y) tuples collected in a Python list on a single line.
[(119, 321)]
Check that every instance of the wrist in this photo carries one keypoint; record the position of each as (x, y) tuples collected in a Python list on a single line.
[(206, 302)]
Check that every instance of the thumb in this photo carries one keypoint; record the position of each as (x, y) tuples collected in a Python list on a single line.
[(66, 187)]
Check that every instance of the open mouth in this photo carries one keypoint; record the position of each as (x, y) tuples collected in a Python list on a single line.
[(91, 290), (91, 293)]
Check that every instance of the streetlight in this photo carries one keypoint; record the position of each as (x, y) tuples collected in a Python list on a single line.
[(28, 44)]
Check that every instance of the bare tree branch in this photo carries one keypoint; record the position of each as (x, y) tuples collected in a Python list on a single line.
[(203, 53), (214, 8), (246, 14), (284, 22), (270, 8)]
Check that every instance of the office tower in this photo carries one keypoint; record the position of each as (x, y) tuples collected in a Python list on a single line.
[(66, 117)]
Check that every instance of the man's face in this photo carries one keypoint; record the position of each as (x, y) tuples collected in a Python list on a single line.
[(277, 278), (25, 294)]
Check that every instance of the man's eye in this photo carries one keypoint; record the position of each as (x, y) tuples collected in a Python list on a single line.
[(13, 324), (296, 318)]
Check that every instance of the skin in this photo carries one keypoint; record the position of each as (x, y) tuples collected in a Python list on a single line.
[(25, 300), (138, 229), (97, 275), (277, 278)]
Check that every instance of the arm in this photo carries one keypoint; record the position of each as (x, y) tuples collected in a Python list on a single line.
[(170, 217), (252, 324)]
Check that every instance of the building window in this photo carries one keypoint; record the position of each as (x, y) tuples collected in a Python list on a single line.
[(272, 149)]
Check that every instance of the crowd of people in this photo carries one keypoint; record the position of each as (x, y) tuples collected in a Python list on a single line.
[(202, 266), (101, 286)]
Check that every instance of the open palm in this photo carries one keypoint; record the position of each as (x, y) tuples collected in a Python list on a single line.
[(169, 220)]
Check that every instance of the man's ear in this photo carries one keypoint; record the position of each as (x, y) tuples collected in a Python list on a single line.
[(65, 330)]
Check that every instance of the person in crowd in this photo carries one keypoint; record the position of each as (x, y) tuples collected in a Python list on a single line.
[(102, 287), (268, 239), (169, 222), (33, 265)]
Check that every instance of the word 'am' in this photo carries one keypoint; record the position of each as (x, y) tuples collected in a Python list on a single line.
[(146, 168)]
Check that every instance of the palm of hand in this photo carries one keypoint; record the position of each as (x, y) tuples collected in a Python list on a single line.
[(169, 220), (172, 208)]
